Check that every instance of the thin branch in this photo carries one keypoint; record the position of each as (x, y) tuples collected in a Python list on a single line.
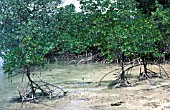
[(127, 69), (51, 85), (13, 75)]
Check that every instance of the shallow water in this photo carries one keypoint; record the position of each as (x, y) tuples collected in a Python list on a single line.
[(72, 78), (81, 83), (7, 89)]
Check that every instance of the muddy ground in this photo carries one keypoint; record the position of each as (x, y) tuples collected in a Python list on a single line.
[(86, 96)]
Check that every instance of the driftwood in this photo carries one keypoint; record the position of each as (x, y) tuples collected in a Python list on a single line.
[(73, 61), (84, 60)]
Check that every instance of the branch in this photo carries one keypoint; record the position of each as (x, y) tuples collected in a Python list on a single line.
[(13, 75), (161, 68), (106, 75), (127, 69), (51, 85)]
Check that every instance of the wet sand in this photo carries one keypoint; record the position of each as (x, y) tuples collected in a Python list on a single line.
[(83, 94)]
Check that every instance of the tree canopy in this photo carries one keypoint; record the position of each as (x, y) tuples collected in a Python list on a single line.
[(30, 29)]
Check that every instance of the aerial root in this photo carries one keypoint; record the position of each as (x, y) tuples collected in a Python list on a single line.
[(142, 76), (99, 84), (160, 68), (46, 89)]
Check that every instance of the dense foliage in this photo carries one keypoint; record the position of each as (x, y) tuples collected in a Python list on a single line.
[(30, 29)]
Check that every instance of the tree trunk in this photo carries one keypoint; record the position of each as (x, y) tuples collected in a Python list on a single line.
[(144, 74), (122, 76), (31, 83)]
